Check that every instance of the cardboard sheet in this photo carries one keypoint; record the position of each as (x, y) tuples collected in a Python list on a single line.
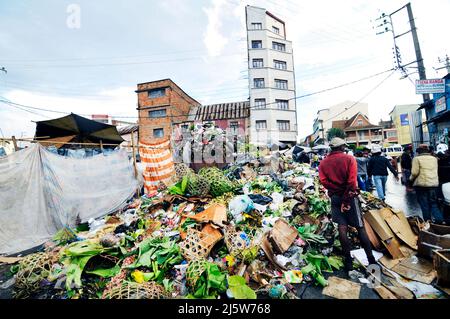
[(417, 269), (342, 288), (401, 228), (283, 235)]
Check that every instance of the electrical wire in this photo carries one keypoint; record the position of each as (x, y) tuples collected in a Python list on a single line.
[(187, 114), (363, 97)]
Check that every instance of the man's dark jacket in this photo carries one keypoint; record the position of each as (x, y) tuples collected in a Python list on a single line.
[(378, 166)]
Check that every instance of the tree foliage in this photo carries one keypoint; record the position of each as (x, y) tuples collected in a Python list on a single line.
[(335, 132)]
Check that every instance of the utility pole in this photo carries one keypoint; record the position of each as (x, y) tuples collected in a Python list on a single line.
[(419, 58), (387, 19), (447, 63), (422, 74)]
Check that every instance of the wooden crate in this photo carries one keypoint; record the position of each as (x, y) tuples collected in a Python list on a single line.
[(441, 261)]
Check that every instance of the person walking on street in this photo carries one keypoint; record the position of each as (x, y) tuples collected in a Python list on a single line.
[(424, 175), (406, 165), (338, 173), (378, 168), (362, 170)]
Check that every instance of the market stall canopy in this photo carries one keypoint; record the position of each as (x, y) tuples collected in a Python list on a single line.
[(81, 130)]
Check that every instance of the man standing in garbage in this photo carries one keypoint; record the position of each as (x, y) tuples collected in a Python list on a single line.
[(338, 174), (378, 168), (424, 175)]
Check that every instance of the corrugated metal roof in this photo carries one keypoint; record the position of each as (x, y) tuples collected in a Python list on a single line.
[(127, 129), (222, 111)]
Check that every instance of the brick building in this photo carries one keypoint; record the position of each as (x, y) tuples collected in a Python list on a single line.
[(359, 130), (161, 105)]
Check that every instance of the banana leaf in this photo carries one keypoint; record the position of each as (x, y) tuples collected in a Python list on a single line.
[(307, 233), (239, 288), (105, 273), (211, 283)]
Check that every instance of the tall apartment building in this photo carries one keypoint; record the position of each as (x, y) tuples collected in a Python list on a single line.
[(273, 116)]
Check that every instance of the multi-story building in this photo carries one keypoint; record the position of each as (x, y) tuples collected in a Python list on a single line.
[(161, 105), (359, 131), (273, 116), (402, 116), (389, 132), (342, 111), (438, 115)]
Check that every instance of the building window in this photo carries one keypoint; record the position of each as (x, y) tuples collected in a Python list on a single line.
[(158, 132), (258, 83), (283, 125), (156, 93), (260, 103), (282, 104), (275, 30), (281, 84), (279, 65), (258, 63), (278, 46), (257, 44), (359, 123), (234, 127), (157, 113), (256, 26), (391, 134), (261, 125)]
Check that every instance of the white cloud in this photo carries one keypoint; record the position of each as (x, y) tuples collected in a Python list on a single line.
[(213, 39), (16, 121)]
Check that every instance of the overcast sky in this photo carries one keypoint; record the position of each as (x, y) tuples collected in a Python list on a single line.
[(201, 45)]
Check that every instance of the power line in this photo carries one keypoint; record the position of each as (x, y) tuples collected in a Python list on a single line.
[(187, 114), (363, 97)]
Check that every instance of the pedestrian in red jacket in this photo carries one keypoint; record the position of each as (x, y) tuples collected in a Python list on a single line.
[(338, 174)]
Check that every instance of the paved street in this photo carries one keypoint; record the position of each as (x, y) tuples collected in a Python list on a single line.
[(399, 198)]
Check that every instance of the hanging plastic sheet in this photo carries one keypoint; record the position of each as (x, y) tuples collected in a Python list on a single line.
[(41, 192), (158, 164)]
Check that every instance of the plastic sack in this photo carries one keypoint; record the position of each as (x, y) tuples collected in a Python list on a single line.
[(240, 204)]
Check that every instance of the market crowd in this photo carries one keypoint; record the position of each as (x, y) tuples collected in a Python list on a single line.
[(424, 172)]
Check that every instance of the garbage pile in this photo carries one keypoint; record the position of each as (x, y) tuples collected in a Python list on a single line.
[(243, 232)]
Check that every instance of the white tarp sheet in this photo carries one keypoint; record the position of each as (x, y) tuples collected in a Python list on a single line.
[(41, 192)]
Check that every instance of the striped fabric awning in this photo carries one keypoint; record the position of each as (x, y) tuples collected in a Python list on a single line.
[(158, 164)]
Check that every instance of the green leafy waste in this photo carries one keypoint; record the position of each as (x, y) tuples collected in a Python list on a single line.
[(307, 233), (188, 223), (75, 257), (318, 263), (160, 255), (239, 288), (180, 187), (318, 206), (211, 283)]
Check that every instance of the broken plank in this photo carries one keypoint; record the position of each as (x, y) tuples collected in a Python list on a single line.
[(384, 293)]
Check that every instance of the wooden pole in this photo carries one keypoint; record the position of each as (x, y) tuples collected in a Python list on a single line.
[(101, 146), (134, 154), (16, 148), (134, 163)]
